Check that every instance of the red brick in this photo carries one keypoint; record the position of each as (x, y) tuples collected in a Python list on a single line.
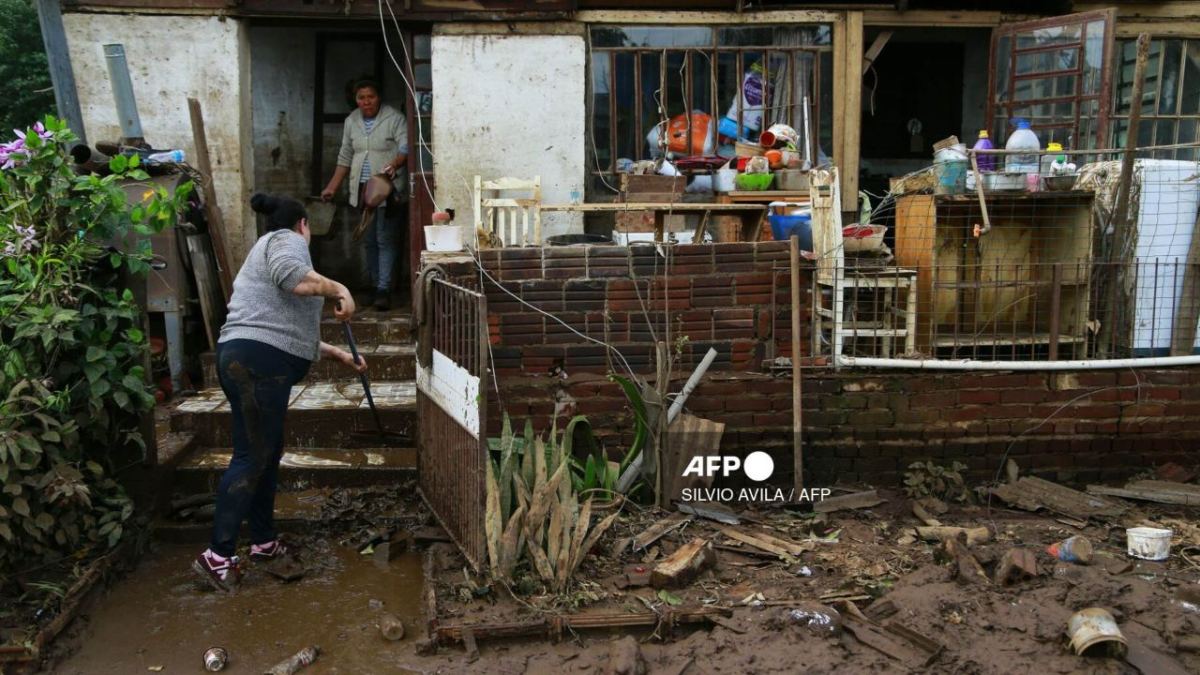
[(979, 396), (743, 403)]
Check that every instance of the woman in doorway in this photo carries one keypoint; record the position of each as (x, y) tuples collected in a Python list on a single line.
[(270, 338), (374, 141)]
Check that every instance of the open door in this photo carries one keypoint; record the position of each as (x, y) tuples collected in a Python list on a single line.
[(420, 154), (1057, 74)]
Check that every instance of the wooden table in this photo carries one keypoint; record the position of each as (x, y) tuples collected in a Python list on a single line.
[(750, 214)]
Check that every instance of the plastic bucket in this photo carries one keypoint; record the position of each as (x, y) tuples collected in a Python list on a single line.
[(725, 180), (1148, 543), (1094, 631), (443, 238), (783, 227), (951, 177)]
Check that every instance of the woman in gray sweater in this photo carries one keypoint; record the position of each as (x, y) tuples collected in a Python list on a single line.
[(270, 338)]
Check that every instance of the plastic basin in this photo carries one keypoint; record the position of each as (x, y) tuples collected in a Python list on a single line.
[(754, 181), (783, 227)]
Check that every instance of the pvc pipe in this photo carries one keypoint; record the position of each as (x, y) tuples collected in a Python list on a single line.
[(118, 75), (677, 404), (967, 364)]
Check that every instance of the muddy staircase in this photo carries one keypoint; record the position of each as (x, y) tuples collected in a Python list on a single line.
[(331, 438)]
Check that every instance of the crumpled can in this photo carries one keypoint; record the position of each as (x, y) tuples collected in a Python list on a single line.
[(1094, 632)]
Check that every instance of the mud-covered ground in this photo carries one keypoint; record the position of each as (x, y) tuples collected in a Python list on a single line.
[(156, 617)]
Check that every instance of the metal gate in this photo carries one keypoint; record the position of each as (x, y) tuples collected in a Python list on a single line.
[(452, 367)]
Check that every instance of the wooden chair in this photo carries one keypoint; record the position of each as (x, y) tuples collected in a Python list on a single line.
[(513, 220), (886, 283)]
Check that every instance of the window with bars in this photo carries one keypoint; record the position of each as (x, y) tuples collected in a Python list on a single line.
[(1170, 113), (641, 75)]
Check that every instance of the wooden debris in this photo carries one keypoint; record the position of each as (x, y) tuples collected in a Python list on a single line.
[(710, 511), (923, 515), (1071, 522), (881, 609), (975, 535), (390, 627), (683, 566), (969, 569), (625, 658), (555, 627), (768, 543), (1151, 661), (1188, 643), (728, 625), (1113, 564), (1034, 494), (895, 640), (656, 531), (1158, 491), (857, 500), (690, 437), (1016, 565)]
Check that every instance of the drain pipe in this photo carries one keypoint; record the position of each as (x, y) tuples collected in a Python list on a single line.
[(122, 86), (967, 364)]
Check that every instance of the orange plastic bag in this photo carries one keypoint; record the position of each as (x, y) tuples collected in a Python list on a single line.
[(678, 140)]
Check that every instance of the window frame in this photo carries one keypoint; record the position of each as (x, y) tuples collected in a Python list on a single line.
[(1155, 80)]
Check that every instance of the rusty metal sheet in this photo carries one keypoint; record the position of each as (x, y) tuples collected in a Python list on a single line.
[(1034, 494)]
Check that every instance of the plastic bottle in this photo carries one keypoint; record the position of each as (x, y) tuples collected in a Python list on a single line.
[(169, 157), (1051, 158), (986, 162), (1022, 139)]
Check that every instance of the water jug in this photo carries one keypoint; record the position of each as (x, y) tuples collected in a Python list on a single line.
[(1022, 139), (1053, 156), (985, 162)]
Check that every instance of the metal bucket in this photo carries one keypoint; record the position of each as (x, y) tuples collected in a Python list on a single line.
[(1093, 632)]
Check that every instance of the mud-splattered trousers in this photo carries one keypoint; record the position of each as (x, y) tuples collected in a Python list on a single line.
[(257, 379)]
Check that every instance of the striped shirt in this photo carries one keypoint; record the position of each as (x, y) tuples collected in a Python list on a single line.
[(368, 123)]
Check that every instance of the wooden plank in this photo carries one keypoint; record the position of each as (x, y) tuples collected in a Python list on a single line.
[(1034, 494), (876, 47), (856, 500), (216, 224), (916, 224), (852, 93), (658, 530), (58, 58), (683, 566), (975, 535), (839, 88), (1150, 494), (797, 378), (762, 543), (931, 18), (659, 17), (688, 437), (211, 308), (710, 511)]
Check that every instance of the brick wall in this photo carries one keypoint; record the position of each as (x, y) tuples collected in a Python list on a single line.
[(858, 425)]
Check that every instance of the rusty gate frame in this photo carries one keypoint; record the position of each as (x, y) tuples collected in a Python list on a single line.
[(452, 371)]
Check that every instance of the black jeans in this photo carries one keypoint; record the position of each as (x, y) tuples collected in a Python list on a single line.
[(257, 379)]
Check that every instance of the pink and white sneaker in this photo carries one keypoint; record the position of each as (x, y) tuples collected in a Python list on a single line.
[(272, 550), (223, 574)]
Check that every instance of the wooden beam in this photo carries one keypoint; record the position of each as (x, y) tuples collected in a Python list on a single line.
[(1159, 29), (852, 93), (877, 46), (932, 18), (646, 17), (216, 225), (839, 87), (58, 57), (797, 379), (1148, 10), (1188, 314), (512, 28)]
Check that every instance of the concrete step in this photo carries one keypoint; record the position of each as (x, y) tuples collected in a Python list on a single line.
[(386, 363), (297, 511), (370, 328), (321, 415), (303, 468)]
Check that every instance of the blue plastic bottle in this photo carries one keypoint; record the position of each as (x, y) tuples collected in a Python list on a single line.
[(986, 162)]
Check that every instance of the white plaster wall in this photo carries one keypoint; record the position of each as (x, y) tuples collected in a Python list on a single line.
[(172, 58), (510, 105)]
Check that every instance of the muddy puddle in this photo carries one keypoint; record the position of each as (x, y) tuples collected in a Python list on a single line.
[(157, 616)]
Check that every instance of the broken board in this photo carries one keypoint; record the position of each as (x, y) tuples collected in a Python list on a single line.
[(688, 437), (1034, 494), (1158, 491), (857, 500)]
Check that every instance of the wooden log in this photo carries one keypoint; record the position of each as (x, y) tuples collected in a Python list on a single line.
[(969, 569), (683, 566), (756, 542), (975, 535)]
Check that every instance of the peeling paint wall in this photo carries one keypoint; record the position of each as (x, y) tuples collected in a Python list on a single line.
[(172, 58), (510, 105)]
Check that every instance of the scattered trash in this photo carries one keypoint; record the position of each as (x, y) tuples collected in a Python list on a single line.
[(754, 600), (295, 662), (819, 619), (857, 500), (803, 571), (215, 659), (154, 669), (1094, 632), (1075, 549), (375, 604), (683, 566), (1148, 543), (1017, 564), (390, 627)]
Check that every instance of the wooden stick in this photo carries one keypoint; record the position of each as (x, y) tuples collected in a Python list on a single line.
[(797, 409), (216, 225), (987, 223)]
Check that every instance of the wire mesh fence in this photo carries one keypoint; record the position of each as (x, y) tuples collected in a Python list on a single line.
[(1035, 264)]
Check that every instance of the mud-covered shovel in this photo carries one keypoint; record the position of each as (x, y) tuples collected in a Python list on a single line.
[(388, 438)]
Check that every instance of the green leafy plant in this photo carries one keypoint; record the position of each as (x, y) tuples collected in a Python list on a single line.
[(71, 343), (926, 479)]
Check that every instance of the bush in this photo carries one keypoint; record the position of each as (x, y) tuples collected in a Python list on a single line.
[(72, 383)]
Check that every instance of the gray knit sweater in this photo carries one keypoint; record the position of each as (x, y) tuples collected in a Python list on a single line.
[(264, 308)]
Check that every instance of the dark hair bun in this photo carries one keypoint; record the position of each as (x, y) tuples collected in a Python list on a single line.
[(264, 203)]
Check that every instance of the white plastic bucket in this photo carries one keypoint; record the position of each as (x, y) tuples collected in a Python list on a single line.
[(1148, 543), (443, 238), (725, 181)]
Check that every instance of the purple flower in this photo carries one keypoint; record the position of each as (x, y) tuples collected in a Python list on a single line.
[(12, 152), (40, 130), (27, 242)]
